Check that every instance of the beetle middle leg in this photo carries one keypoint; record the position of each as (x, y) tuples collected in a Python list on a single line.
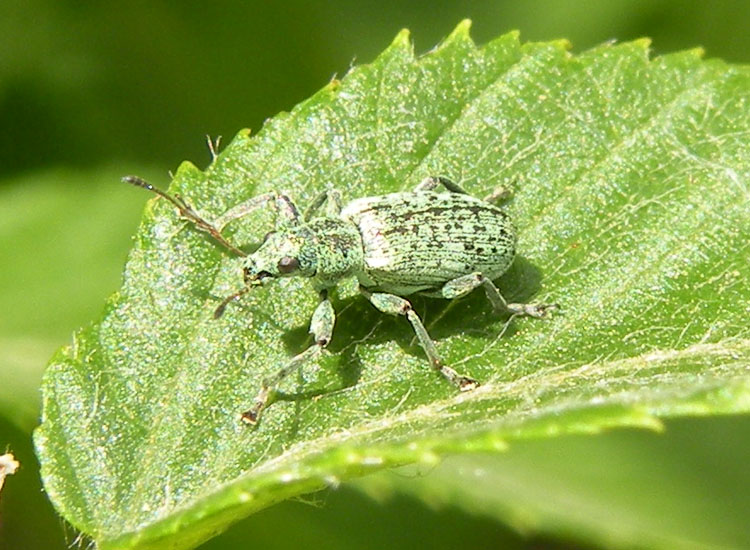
[(395, 305), (463, 285), (321, 327)]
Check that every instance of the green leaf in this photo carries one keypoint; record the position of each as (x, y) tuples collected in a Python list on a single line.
[(631, 201)]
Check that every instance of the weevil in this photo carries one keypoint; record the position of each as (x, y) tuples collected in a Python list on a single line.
[(437, 243)]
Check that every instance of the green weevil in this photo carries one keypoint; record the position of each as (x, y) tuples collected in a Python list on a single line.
[(440, 244)]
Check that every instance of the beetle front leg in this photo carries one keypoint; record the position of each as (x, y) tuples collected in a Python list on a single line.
[(463, 285), (321, 327), (331, 198), (283, 205), (395, 305)]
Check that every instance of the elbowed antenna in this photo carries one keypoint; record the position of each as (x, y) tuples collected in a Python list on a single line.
[(186, 212), (219, 311), (140, 182)]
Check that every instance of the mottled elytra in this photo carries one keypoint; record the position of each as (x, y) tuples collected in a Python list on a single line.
[(441, 244)]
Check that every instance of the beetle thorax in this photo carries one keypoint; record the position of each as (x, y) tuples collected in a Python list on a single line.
[(338, 249)]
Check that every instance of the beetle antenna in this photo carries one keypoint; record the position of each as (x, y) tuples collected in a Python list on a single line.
[(186, 212), (231, 298)]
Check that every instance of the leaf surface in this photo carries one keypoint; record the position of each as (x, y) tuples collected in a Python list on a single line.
[(630, 180)]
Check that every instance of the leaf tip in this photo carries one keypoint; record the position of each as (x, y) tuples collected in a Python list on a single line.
[(187, 169), (241, 139), (402, 39), (515, 34), (333, 85), (698, 53), (462, 30), (563, 44), (643, 43)]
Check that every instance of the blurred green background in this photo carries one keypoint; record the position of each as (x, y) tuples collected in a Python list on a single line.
[(91, 91)]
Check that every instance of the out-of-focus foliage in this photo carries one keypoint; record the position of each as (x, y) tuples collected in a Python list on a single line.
[(82, 83)]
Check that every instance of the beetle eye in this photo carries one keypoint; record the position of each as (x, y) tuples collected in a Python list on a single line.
[(288, 264)]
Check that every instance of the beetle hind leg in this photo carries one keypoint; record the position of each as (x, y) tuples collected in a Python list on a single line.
[(431, 182), (461, 286), (498, 195)]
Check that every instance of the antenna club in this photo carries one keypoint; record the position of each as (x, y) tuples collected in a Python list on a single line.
[(138, 182)]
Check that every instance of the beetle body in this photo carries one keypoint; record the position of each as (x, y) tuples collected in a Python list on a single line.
[(443, 244), (418, 241), (400, 243)]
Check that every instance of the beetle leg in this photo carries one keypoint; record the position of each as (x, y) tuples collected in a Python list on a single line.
[(280, 202), (431, 182), (321, 327), (499, 194), (333, 207), (463, 285), (395, 305)]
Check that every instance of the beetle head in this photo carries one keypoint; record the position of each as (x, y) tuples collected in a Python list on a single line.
[(285, 253), (282, 254)]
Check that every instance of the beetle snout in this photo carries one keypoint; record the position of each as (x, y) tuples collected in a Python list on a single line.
[(252, 276)]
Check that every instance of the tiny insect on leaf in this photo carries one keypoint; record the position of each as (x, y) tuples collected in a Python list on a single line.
[(424, 241)]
